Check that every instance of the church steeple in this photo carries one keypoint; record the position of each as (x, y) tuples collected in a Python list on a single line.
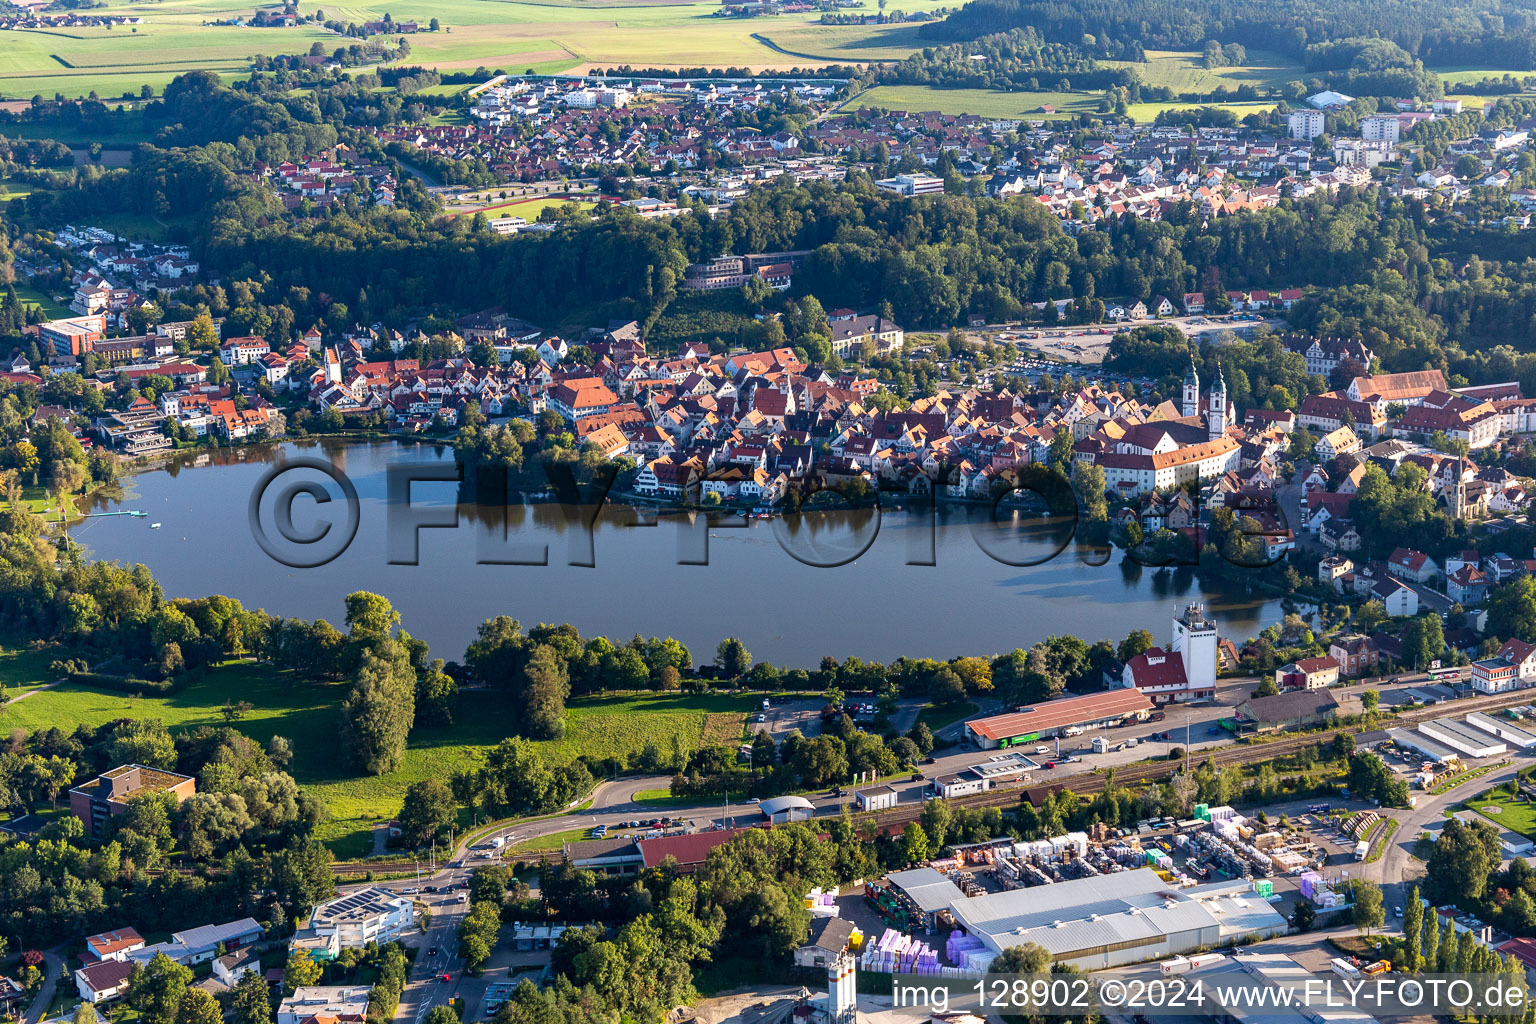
[(1216, 418), (1191, 403)]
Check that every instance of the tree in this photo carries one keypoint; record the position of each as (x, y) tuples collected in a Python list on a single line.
[(156, 989), (378, 712), (198, 1007), (544, 686), (442, 1014), (732, 657), (1413, 923), (1369, 912), (301, 971), (250, 1002), (1135, 642), (1304, 916), (428, 808), (85, 1013), (1425, 640), (202, 335), (914, 844), (1025, 958), (1461, 861), (1266, 687)]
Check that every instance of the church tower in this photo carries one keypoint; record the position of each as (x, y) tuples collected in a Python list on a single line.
[(1191, 405), (1216, 418)]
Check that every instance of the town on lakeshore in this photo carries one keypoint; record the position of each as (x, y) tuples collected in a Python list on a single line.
[(1231, 305)]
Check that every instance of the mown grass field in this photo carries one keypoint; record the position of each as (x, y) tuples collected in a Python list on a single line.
[(528, 209), (308, 713), (1182, 72), (36, 297), (982, 102), (1146, 112)]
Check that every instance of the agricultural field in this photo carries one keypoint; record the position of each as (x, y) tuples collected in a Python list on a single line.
[(1143, 113), (1460, 74), (307, 712), (1182, 72), (546, 37), (982, 102), (843, 43)]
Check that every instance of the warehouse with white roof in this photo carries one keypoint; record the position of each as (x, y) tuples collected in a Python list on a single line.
[(1123, 918), (1461, 736)]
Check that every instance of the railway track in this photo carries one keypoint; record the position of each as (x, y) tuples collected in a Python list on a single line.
[(1223, 757), (1092, 784)]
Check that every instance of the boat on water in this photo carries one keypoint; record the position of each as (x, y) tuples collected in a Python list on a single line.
[(154, 526)]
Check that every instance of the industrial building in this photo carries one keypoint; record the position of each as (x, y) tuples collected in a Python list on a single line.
[(1042, 721), (1422, 745), (1511, 734), (1250, 969), (1462, 737), (1112, 920), (925, 892), (877, 798), (782, 809), (997, 770)]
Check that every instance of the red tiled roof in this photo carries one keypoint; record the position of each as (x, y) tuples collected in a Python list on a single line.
[(1053, 714), (1168, 669), (110, 942), (688, 849)]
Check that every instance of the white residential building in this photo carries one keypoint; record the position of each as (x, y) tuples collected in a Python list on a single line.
[(1306, 124), (355, 920)]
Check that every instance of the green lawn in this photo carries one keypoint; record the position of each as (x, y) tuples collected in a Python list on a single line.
[(937, 716), (554, 841), (307, 713), (15, 189), (36, 297), (1505, 811), (22, 668)]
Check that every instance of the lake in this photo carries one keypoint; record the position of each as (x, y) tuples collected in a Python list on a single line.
[(644, 579)]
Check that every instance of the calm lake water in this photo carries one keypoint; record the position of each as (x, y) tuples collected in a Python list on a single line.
[(876, 606)]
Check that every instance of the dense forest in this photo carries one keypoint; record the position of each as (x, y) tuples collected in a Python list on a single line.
[(1437, 33)]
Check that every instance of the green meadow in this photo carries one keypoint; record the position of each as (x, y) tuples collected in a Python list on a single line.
[(308, 713)]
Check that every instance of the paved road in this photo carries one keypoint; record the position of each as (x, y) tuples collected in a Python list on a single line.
[(425, 987), (53, 971)]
